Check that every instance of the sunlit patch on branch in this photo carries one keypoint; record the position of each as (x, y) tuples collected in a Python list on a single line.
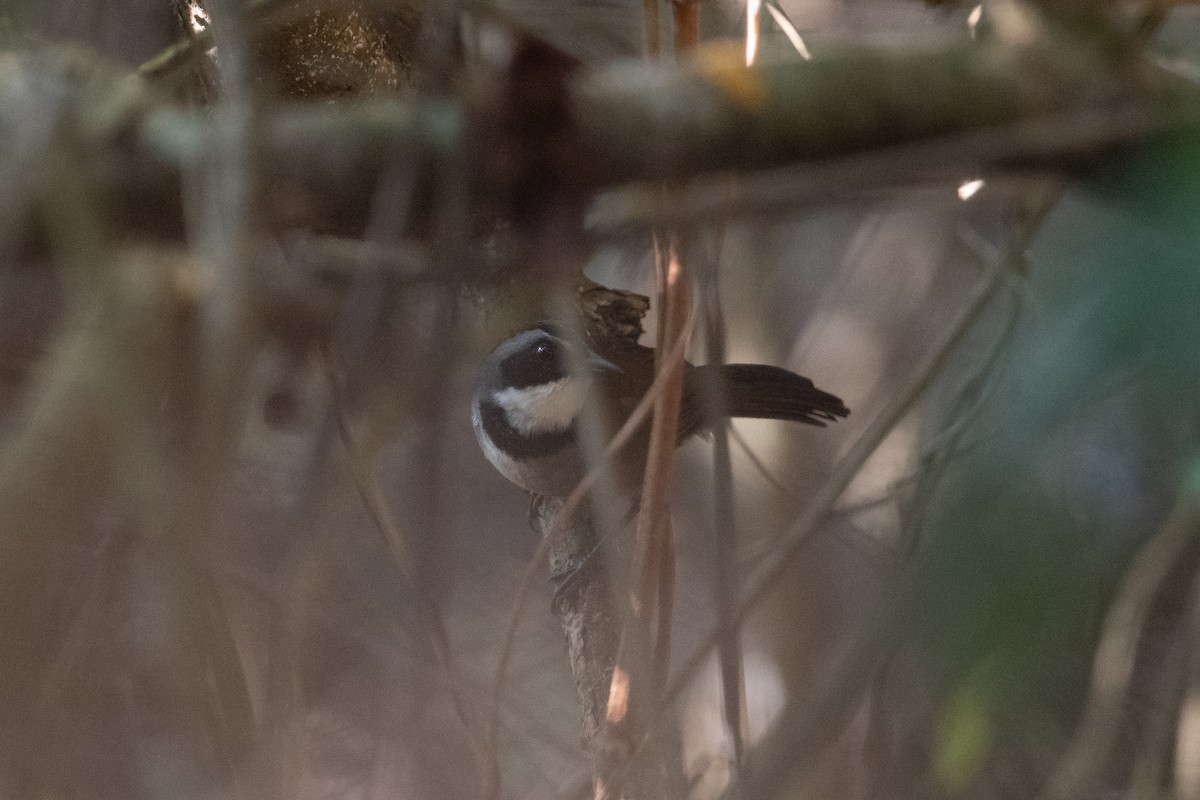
[(197, 17), (1187, 760), (969, 189), (789, 30), (973, 20), (244, 299), (752, 8), (618, 697)]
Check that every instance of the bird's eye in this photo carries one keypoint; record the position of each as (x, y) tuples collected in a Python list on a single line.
[(545, 352)]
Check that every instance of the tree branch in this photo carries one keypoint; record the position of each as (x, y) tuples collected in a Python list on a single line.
[(634, 121)]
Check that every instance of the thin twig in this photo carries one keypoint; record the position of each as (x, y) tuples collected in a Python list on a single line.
[(725, 535), (843, 473), (1187, 733), (388, 646), (177, 54), (850, 670), (1116, 654), (428, 617), (854, 667), (686, 15), (798, 739), (633, 674), (1157, 738), (650, 27)]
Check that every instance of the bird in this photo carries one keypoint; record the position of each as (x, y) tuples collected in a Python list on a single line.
[(532, 391)]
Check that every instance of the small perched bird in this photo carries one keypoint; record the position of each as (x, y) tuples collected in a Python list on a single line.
[(533, 388)]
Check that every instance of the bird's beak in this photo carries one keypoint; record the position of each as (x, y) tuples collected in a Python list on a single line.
[(597, 364)]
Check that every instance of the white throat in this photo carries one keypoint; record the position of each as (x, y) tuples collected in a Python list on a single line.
[(547, 408)]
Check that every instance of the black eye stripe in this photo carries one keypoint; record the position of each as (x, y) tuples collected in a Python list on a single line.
[(533, 365)]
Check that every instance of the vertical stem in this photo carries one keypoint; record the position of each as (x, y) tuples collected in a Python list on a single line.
[(1116, 654), (580, 566), (724, 527), (687, 24), (650, 28), (629, 699), (582, 605), (1187, 728)]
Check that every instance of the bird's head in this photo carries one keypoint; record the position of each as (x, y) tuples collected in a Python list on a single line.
[(538, 380)]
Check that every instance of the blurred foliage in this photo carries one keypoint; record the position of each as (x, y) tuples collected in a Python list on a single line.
[(1087, 427), (964, 730), (1064, 459)]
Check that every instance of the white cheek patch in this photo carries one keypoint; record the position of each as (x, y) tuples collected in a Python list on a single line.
[(543, 409)]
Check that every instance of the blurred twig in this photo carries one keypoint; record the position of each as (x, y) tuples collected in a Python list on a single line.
[(634, 682), (1116, 653), (650, 27), (322, 162), (397, 541), (390, 647), (814, 722), (165, 62), (789, 747), (1054, 142), (1157, 739), (725, 534), (1187, 734), (802, 733), (686, 14), (927, 477)]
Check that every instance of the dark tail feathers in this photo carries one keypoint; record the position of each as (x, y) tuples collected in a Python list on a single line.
[(764, 392)]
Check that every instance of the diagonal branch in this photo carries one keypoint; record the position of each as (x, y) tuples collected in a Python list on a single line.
[(1117, 651), (998, 106)]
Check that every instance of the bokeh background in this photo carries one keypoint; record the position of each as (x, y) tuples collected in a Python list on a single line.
[(202, 591)]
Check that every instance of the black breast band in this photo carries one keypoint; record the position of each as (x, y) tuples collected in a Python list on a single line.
[(519, 445)]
